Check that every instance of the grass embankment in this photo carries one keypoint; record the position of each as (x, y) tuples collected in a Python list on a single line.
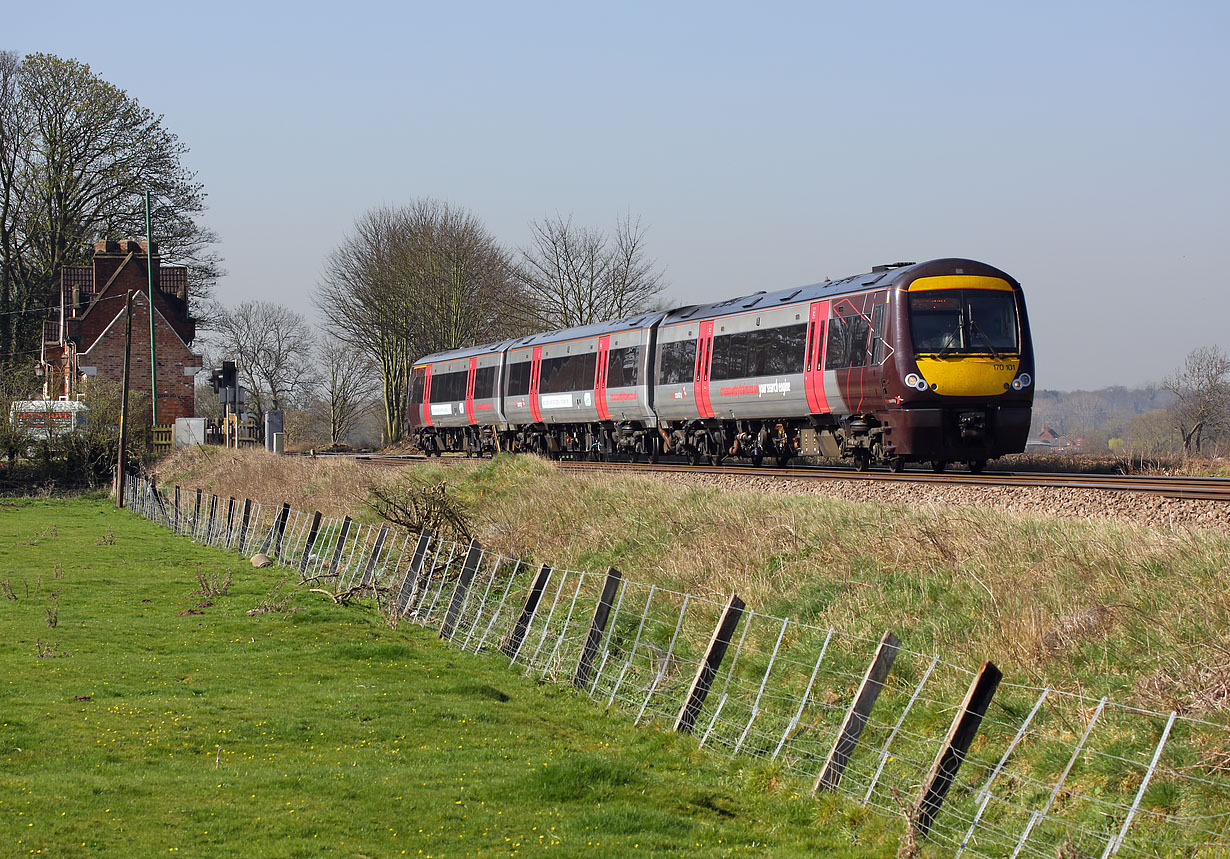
[(1135, 612), (143, 717)]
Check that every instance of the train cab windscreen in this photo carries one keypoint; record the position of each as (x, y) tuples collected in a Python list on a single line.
[(968, 321)]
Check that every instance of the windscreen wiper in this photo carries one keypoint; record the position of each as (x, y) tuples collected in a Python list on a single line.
[(974, 325)]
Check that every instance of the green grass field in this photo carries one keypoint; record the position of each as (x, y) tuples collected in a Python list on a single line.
[(141, 717)]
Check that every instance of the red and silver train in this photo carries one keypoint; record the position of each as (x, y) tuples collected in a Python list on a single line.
[(911, 362)]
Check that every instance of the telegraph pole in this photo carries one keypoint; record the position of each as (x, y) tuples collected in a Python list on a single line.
[(121, 459), (153, 353)]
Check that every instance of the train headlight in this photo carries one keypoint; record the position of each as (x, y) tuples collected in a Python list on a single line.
[(1021, 382), (912, 380)]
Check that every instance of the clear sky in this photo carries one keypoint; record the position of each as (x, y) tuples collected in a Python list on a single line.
[(1082, 147)]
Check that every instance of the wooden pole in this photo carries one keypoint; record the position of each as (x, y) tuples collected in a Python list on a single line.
[(708, 668), (517, 637), (410, 584), (956, 744), (374, 558), (468, 569), (859, 713), (602, 611), (340, 546), (243, 523), (311, 541)]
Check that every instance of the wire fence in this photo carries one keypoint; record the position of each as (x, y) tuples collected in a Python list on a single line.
[(974, 764)]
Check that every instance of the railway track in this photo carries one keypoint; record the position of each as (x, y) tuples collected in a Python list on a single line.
[(1188, 488)]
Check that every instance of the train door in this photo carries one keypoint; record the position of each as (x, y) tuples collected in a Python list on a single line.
[(535, 375), (704, 356), (848, 355), (813, 364), (470, 391), (600, 375)]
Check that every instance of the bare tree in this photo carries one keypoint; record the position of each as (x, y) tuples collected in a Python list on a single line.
[(348, 384), (77, 155), (1201, 387), (576, 276), (414, 280), (272, 347)]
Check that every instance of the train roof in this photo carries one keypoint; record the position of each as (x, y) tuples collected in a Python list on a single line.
[(882, 276)]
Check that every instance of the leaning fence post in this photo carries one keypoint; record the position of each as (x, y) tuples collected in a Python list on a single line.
[(243, 524), (280, 530), (517, 637), (708, 668), (377, 548), (459, 592), (340, 547), (602, 611), (956, 744), (230, 521), (410, 582), (175, 526), (313, 532), (209, 522), (860, 711)]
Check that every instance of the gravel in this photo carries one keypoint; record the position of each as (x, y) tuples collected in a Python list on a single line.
[(1133, 508)]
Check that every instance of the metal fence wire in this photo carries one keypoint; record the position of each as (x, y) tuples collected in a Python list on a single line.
[(976, 765)]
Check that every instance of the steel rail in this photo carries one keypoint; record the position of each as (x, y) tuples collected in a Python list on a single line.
[(1176, 487)]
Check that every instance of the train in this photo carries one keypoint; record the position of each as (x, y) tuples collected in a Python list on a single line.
[(927, 362)]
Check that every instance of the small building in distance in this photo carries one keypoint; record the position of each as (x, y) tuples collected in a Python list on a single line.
[(85, 338)]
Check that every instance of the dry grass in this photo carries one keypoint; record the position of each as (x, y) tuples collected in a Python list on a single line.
[(1086, 605), (336, 486)]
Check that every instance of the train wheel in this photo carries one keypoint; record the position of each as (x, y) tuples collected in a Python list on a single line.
[(715, 459), (783, 461), (976, 466), (655, 449), (693, 456), (896, 464), (862, 460), (757, 458), (939, 466)]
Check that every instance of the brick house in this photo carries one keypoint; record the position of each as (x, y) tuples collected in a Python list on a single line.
[(86, 337)]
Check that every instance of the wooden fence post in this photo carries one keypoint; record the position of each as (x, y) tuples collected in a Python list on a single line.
[(860, 711), (410, 583), (243, 523), (513, 646), (279, 529), (313, 532), (377, 548), (209, 522), (230, 521), (708, 668), (175, 525), (956, 744), (468, 569), (602, 611), (340, 546)]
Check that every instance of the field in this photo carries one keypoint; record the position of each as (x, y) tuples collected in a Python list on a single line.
[(144, 716), (357, 726), (1128, 608)]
